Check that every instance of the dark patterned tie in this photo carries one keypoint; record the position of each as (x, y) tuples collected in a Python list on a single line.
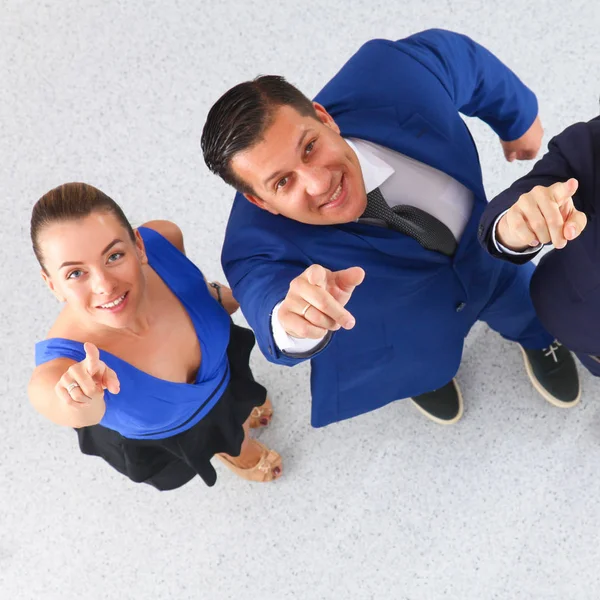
[(430, 232)]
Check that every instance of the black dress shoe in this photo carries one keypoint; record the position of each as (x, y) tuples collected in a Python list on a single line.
[(444, 406), (553, 373)]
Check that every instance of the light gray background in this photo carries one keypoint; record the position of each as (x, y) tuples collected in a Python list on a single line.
[(505, 504)]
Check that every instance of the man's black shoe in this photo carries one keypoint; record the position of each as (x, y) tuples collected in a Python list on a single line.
[(444, 406), (553, 373)]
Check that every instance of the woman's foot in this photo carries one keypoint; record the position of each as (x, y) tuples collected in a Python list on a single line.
[(261, 415), (255, 463)]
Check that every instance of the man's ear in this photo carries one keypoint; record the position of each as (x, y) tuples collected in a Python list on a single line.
[(325, 117), (48, 280), (260, 203), (140, 248)]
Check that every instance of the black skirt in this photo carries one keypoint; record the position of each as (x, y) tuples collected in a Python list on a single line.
[(171, 462)]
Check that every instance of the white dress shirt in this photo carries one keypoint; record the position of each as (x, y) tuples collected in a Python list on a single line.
[(402, 180)]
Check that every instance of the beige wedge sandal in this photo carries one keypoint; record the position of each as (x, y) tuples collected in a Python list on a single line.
[(261, 415), (268, 468)]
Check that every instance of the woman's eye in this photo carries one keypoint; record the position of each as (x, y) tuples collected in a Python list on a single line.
[(281, 183), (115, 256), (75, 274), (309, 148)]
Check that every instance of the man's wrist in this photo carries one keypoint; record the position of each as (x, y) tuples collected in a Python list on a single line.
[(500, 240), (512, 247), (287, 343)]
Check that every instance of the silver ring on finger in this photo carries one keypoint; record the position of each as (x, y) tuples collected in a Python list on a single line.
[(71, 386), (303, 313)]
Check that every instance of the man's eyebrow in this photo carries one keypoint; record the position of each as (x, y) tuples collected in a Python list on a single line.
[(279, 173)]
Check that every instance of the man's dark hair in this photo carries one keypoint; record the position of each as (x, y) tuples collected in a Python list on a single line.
[(239, 118)]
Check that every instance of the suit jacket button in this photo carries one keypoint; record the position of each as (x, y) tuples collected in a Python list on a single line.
[(460, 306), (271, 350), (480, 230)]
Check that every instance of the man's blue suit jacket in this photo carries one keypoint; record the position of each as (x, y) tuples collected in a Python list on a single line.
[(565, 287), (415, 306)]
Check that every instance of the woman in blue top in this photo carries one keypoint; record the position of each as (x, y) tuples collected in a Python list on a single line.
[(144, 360)]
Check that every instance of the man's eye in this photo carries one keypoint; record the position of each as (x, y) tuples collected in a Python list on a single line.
[(309, 148), (281, 183)]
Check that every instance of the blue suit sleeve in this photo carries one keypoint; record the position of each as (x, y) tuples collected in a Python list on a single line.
[(479, 84), (260, 278), (570, 154)]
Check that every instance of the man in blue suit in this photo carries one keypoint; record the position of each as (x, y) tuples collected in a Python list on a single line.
[(353, 238), (557, 204)]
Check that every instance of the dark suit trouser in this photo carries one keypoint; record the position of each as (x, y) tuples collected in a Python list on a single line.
[(510, 312), (591, 364)]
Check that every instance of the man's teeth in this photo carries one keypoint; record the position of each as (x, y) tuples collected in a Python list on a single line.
[(337, 193), (114, 302)]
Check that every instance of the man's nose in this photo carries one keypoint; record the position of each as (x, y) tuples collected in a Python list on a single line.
[(317, 180)]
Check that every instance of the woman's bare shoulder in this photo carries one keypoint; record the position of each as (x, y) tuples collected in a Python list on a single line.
[(67, 327), (169, 231)]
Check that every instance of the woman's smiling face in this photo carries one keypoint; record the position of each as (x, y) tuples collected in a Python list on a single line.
[(94, 266)]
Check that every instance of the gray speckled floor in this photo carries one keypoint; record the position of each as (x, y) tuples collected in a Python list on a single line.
[(503, 505)]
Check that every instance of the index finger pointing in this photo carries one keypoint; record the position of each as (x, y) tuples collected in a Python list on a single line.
[(92, 358), (317, 275), (562, 192)]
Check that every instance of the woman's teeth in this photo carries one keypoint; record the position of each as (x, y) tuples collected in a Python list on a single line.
[(114, 302)]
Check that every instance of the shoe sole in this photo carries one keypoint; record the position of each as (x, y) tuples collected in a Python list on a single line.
[(442, 421), (544, 392)]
